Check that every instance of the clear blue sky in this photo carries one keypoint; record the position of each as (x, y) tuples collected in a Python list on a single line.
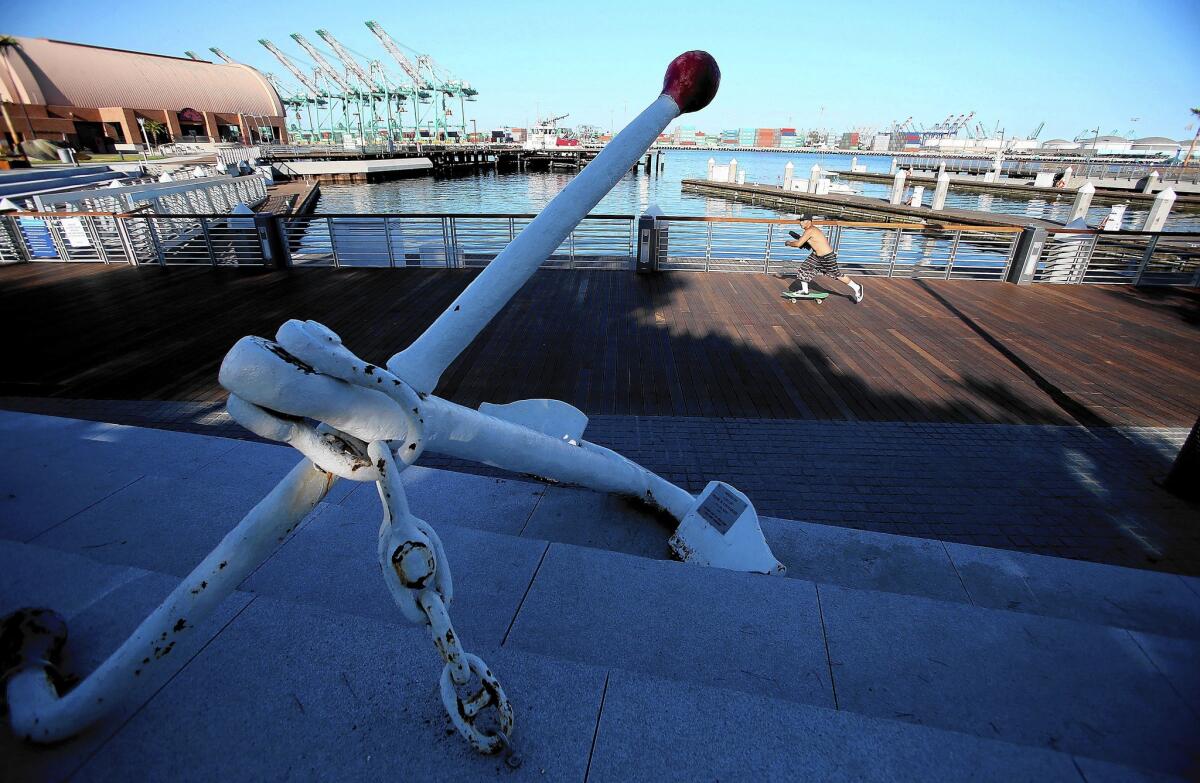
[(1075, 65)]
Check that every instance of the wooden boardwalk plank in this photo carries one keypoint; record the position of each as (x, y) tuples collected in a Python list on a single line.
[(677, 344)]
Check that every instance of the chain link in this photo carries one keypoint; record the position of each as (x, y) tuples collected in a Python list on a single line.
[(411, 554), (417, 572)]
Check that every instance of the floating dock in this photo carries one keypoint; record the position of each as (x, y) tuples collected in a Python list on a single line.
[(298, 197), (1020, 189), (846, 207)]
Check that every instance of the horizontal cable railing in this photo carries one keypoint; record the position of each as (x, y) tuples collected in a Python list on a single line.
[(449, 240), (886, 249), (1120, 258), (680, 243)]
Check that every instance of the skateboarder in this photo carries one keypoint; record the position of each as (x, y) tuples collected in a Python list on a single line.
[(823, 260)]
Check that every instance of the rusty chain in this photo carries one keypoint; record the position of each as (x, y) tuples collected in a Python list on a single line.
[(417, 572), (410, 552)]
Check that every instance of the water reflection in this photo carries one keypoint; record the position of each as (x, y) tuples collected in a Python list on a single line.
[(528, 192)]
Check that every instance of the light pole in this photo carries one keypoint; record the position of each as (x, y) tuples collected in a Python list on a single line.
[(141, 121)]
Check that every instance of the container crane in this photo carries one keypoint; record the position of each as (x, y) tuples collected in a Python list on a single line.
[(222, 55), (322, 63), (374, 91), (349, 92), (352, 66), (1037, 131), (193, 55), (421, 85), (317, 97)]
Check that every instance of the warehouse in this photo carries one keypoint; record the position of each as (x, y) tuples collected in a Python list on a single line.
[(94, 98)]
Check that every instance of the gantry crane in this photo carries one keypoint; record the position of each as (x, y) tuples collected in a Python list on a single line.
[(317, 99), (428, 77), (193, 55), (421, 85), (222, 55), (378, 88)]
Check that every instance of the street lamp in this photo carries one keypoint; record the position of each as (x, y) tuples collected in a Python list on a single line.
[(141, 121)]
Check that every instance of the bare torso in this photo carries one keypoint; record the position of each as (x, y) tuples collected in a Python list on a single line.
[(815, 240)]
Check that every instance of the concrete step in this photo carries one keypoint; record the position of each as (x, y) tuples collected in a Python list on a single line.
[(281, 689), (160, 500), (868, 624), (41, 179)]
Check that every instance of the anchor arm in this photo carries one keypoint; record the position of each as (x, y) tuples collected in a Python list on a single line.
[(39, 714)]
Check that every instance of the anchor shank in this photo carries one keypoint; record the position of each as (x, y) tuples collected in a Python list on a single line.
[(423, 362), (36, 711)]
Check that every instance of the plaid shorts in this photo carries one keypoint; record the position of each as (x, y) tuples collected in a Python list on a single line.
[(818, 265)]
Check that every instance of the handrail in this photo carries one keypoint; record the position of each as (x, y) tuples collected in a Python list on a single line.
[(847, 223), (901, 226)]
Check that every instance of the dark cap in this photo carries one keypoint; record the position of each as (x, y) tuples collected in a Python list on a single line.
[(803, 216)]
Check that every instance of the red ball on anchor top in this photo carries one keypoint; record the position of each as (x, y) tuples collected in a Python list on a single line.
[(692, 80)]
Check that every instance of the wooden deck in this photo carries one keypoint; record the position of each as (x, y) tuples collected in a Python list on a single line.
[(691, 344)]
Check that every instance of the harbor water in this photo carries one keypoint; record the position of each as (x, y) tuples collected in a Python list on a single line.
[(528, 192)]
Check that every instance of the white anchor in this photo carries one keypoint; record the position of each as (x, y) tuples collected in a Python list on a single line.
[(371, 423)]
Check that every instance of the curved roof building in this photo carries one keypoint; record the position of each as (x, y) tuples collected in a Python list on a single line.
[(1159, 144), (94, 96)]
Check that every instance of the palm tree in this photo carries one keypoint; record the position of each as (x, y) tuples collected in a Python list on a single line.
[(1192, 146), (153, 128), (8, 42)]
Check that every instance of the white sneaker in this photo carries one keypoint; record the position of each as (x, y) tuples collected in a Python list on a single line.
[(858, 295)]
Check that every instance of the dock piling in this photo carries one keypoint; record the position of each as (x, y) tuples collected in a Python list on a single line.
[(1083, 201), (940, 190), (897, 185), (1156, 218)]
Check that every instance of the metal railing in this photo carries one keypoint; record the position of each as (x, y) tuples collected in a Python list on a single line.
[(702, 244), (887, 249), (449, 240), (1119, 258)]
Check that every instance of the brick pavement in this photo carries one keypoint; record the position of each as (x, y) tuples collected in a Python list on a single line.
[(1057, 490)]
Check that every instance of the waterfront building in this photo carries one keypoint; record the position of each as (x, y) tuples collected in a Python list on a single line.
[(1157, 145), (92, 97)]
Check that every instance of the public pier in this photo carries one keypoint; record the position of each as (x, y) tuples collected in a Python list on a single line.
[(718, 359), (1022, 189), (849, 207), (377, 163)]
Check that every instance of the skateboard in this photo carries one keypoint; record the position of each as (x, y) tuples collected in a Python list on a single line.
[(819, 296)]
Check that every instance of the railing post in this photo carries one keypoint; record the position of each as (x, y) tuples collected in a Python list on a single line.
[(1025, 256), (895, 249), (208, 246), (156, 241), (271, 239), (332, 242), (767, 255), (647, 230), (1137, 280), (387, 238), (17, 237), (953, 252), (708, 246), (126, 242)]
